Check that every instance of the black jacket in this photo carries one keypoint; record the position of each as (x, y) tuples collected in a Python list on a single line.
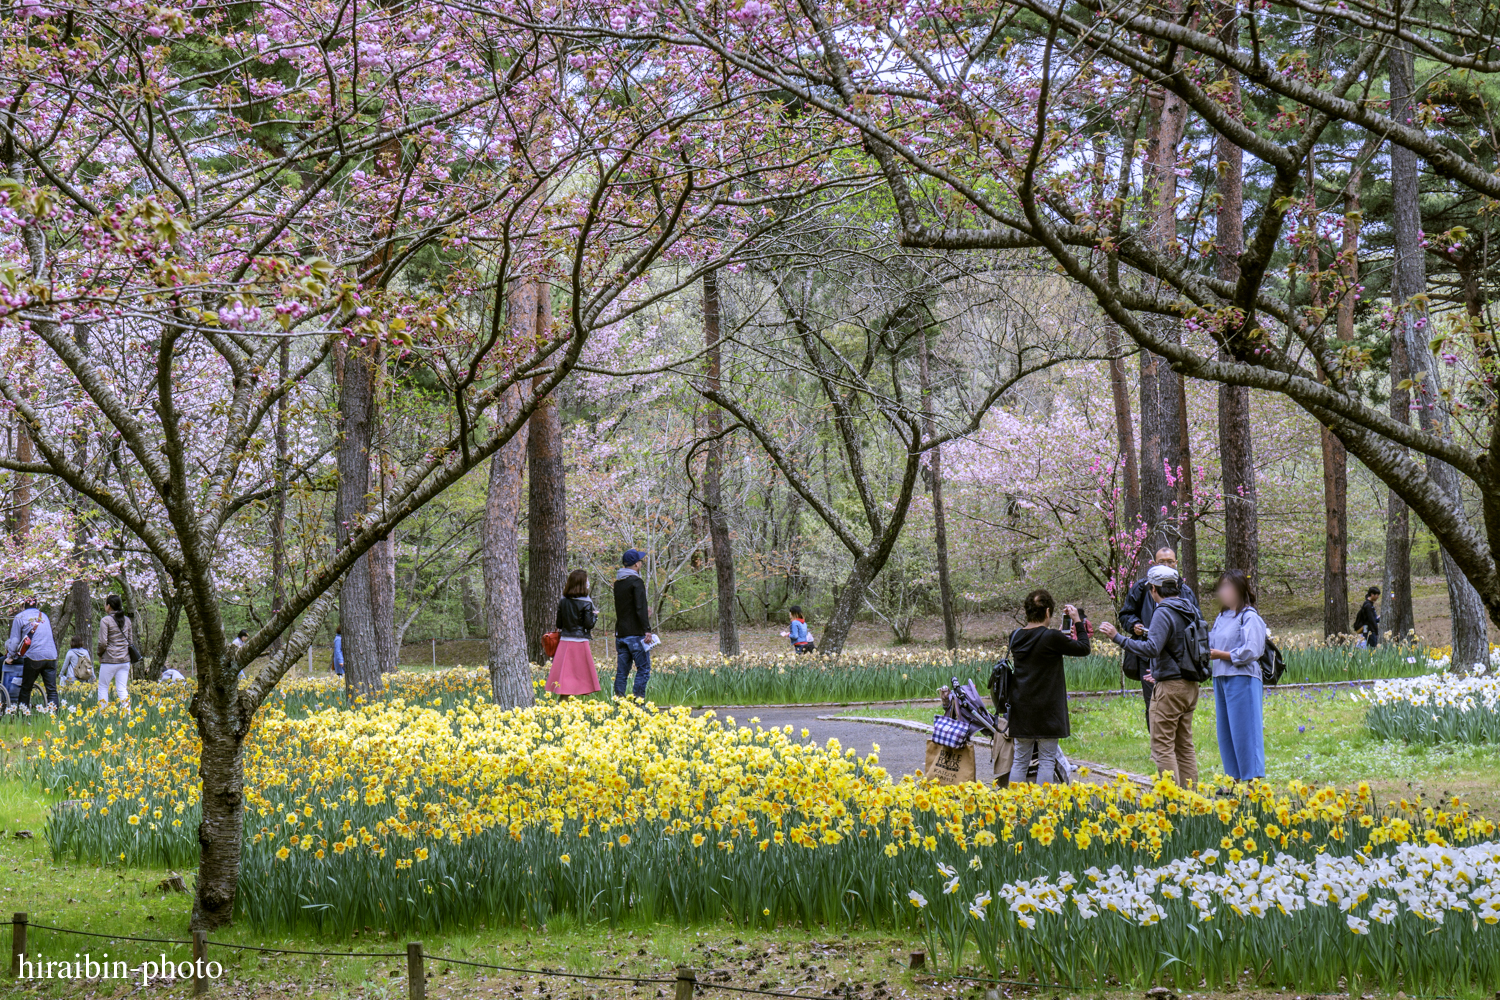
[(575, 617), (1367, 622), (1039, 702), (1139, 609), (632, 613), (1163, 647)]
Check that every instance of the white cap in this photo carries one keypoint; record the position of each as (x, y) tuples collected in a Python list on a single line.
[(1158, 575)]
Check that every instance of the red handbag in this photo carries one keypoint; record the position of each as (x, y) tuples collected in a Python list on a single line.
[(549, 643)]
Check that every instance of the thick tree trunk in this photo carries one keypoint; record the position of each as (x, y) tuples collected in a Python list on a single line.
[(846, 607), (1160, 425), (546, 523), (720, 543), (1163, 446), (1119, 388), (382, 555), (1236, 448), (1336, 545), (510, 667), (24, 453), (935, 487), (1187, 509), (356, 611), (221, 771), (1470, 627), (1335, 458)]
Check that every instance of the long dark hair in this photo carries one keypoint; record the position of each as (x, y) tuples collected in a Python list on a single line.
[(1241, 584), (117, 606), (578, 584)]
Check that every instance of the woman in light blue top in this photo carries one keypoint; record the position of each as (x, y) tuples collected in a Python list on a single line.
[(1237, 642)]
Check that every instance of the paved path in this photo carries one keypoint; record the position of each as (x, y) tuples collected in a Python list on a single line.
[(903, 747), (902, 751)]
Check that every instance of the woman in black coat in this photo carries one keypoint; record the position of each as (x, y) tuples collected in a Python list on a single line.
[(573, 670), (1038, 715)]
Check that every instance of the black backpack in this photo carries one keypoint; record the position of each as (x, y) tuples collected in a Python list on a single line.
[(1002, 683), (1272, 663), (1195, 646)]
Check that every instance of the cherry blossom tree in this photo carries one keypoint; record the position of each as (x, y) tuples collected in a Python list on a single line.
[(202, 187)]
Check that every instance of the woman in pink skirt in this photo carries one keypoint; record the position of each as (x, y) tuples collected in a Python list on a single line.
[(573, 669)]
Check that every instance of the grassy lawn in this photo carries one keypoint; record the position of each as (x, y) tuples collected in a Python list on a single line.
[(126, 902), (1315, 736)]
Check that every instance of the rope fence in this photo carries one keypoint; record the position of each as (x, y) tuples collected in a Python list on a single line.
[(685, 982)]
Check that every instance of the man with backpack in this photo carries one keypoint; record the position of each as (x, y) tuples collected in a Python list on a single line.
[(1135, 618), (31, 644), (1176, 646)]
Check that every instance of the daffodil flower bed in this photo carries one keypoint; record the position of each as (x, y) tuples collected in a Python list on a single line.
[(405, 815), (1423, 919), (1439, 708)]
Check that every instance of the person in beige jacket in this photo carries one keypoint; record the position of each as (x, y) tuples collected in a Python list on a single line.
[(116, 633)]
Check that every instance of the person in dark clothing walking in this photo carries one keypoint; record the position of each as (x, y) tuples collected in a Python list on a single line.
[(1038, 715), (1135, 620), (33, 630), (1367, 620), (633, 638), (1174, 693)]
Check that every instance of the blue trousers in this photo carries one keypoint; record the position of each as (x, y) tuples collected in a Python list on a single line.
[(1241, 726), (628, 649)]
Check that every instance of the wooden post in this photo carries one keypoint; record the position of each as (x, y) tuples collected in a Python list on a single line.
[(434, 652), (200, 957), (17, 943), (686, 980), (416, 977), (919, 959)]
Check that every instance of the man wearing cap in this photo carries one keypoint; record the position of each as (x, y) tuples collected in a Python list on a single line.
[(39, 658), (1135, 619), (1174, 696), (632, 624)]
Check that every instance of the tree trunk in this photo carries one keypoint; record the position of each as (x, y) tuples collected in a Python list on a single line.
[(221, 770), (1469, 621), (278, 498), (1160, 425), (1119, 388), (382, 555), (1335, 458), (356, 610), (1397, 617), (1162, 419), (935, 487), (510, 667), (1236, 448), (846, 607), (547, 497), (172, 617), (24, 453), (719, 540)]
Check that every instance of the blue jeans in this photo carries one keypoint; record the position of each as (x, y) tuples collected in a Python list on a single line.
[(630, 648), (1241, 727)]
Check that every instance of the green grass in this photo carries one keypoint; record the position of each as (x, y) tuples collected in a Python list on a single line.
[(1314, 736)]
